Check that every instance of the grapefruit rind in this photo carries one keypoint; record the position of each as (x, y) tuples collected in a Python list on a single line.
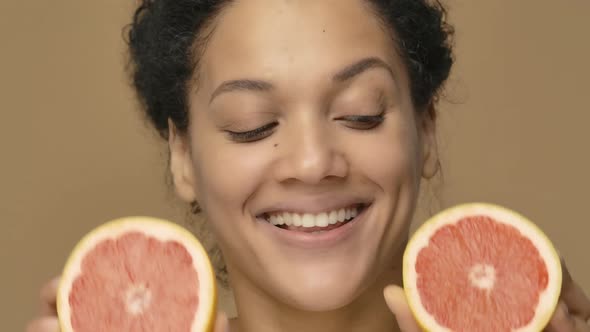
[(160, 229), (548, 299)]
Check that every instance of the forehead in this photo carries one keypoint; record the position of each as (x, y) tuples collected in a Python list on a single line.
[(292, 41)]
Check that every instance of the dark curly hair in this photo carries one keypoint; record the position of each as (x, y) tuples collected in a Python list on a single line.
[(167, 37)]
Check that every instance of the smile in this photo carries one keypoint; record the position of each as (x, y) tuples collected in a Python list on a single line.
[(314, 223)]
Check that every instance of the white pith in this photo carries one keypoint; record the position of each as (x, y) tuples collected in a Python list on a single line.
[(309, 220), (137, 299), (483, 276), (548, 298), (163, 231)]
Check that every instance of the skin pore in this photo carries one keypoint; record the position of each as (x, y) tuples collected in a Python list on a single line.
[(304, 106)]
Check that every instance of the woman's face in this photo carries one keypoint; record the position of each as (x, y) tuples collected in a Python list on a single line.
[(302, 116)]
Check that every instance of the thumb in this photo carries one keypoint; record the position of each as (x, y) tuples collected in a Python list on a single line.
[(397, 303), (221, 323)]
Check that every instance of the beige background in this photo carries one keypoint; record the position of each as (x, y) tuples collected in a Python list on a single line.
[(75, 152)]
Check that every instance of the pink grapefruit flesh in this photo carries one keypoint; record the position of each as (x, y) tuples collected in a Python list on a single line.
[(481, 267), (137, 274)]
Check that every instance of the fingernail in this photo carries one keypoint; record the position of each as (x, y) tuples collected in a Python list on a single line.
[(389, 290), (389, 293)]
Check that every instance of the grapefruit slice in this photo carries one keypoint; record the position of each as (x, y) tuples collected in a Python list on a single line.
[(481, 267), (137, 274)]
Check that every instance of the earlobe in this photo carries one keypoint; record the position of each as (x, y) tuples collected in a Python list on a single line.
[(181, 164), (430, 158)]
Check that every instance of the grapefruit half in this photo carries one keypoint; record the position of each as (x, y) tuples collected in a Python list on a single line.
[(137, 274), (481, 267)]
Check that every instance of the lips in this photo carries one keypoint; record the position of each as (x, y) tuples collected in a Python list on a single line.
[(314, 222), (315, 237)]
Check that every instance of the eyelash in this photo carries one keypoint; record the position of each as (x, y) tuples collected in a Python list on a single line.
[(366, 122), (253, 135), (361, 122)]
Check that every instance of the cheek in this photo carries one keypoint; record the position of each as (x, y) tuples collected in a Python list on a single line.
[(226, 177), (391, 159)]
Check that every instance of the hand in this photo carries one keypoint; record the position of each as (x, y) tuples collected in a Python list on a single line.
[(573, 311), (571, 315), (47, 320)]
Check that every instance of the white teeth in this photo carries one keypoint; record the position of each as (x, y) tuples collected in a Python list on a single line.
[(322, 220), (310, 220), (274, 220), (297, 220), (307, 220), (333, 217), (287, 219), (277, 220), (341, 215)]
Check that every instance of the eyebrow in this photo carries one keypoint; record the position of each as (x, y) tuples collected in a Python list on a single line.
[(344, 75), (361, 66), (242, 85)]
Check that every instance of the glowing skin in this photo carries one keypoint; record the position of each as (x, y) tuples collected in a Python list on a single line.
[(328, 98), (301, 72)]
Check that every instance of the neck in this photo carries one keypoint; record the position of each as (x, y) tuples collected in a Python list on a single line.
[(261, 313)]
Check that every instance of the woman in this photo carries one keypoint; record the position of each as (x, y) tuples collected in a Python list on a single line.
[(296, 113)]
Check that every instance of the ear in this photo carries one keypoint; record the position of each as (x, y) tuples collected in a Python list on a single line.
[(181, 164), (430, 158)]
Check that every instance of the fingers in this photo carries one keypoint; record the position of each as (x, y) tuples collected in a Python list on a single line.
[(573, 311), (396, 301), (581, 325), (573, 295), (48, 298), (577, 301), (221, 323), (45, 324), (564, 321), (561, 320)]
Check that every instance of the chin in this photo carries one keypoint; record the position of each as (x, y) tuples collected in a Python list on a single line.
[(323, 289), (313, 299)]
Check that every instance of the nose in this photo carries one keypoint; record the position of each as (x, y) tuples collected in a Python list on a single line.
[(310, 156)]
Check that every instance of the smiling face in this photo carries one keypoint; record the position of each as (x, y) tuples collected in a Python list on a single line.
[(304, 149)]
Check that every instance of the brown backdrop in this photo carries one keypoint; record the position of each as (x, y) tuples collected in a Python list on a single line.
[(76, 153)]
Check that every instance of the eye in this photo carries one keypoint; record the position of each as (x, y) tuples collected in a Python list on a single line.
[(364, 122), (252, 135)]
